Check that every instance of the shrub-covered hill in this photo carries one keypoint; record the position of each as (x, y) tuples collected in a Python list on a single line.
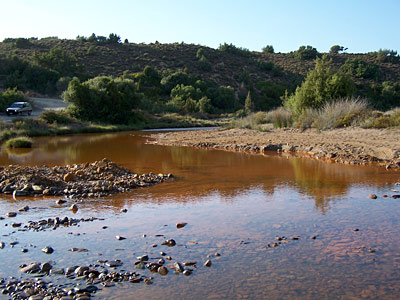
[(46, 65)]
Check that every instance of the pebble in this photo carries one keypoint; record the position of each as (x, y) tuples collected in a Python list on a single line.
[(61, 201), (32, 268), (114, 263), (48, 250), (2, 245), (169, 243), (162, 270), (11, 214), (73, 207), (372, 196), (187, 272), (25, 208), (120, 238), (181, 225), (143, 258), (123, 210), (178, 267), (207, 263)]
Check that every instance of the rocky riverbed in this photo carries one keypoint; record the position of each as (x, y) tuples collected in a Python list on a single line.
[(356, 146), (96, 179)]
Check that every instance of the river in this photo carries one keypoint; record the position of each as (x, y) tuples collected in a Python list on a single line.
[(332, 240)]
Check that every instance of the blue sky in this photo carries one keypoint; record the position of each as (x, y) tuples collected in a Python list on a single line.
[(360, 25)]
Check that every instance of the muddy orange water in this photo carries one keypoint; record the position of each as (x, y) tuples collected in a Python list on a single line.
[(235, 204)]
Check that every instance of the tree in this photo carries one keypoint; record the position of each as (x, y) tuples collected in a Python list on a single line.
[(268, 49), (335, 49), (306, 52), (248, 104), (320, 86), (113, 38), (104, 99)]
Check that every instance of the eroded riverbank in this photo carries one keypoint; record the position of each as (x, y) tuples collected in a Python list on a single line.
[(349, 145)]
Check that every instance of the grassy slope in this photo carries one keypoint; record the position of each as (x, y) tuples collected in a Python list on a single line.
[(227, 68)]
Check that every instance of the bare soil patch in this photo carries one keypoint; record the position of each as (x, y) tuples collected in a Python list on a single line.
[(348, 145)]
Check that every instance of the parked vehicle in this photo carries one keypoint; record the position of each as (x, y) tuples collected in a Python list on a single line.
[(18, 108)]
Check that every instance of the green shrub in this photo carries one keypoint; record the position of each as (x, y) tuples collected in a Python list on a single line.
[(58, 60), (320, 86), (385, 55), (358, 68), (280, 117), (268, 49), (10, 96), (306, 52), (103, 99), (230, 48), (59, 117), (19, 142), (335, 49)]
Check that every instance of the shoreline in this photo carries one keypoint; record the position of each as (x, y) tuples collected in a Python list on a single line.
[(355, 146)]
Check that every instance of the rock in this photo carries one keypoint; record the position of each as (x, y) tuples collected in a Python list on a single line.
[(123, 210), (2, 245), (178, 267), (107, 284), (181, 225), (162, 270), (189, 263), (25, 208), (372, 196), (32, 268), (69, 177), (217, 254), (48, 250), (19, 193), (120, 238), (169, 243), (45, 267), (140, 266), (80, 270), (73, 207), (187, 272), (61, 201), (395, 196), (78, 250), (143, 258), (207, 263), (15, 225), (114, 263), (24, 250), (11, 214)]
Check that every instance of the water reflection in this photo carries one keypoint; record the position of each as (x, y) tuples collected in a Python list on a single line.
[(200, 173)]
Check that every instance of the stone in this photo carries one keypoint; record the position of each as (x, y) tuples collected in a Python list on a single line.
[(162, 270), (187, 272), (169, 243), (45, 267), (178, 267), (25, 208), (11, 214), (372, 196), (2, 245), (69, 177), (143, 258), (208, 263), (124, 210), (61, 201), (114, 263), (120, 238), (181, 225), (48, 250), (73, 207), (32, 268), (80, 270), (19, 193)]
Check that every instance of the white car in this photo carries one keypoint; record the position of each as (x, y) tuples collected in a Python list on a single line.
[(18, 108)]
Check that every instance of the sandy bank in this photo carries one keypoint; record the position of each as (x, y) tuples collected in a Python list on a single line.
[(348, 145)]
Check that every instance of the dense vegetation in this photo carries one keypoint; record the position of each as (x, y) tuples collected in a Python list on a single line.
[(117, 82)]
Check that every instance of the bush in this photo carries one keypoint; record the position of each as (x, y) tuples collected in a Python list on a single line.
[(335, 49), (340, 113), (320, 86), (59, 117), (10, 96), (358, 68), (280, 117), (230, 48), (385, 55), (268, 49), (103, 99), (19, 142), (306, 52), (58, 60)]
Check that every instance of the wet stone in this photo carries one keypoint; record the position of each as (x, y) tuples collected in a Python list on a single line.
[(181, 225), (208, 263), (169, 243), (162, 270), (11, 214), (2, 245), (178, 267), (32, 268), (187, 272), (372, 196), (120, 238), (48, 250)]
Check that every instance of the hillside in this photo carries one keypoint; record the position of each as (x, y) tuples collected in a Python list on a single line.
[(267, 75)]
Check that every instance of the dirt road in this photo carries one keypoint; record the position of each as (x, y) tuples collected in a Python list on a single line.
[(38, 105)]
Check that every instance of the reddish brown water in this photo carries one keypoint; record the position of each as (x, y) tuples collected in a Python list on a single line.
[(235, 204)]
